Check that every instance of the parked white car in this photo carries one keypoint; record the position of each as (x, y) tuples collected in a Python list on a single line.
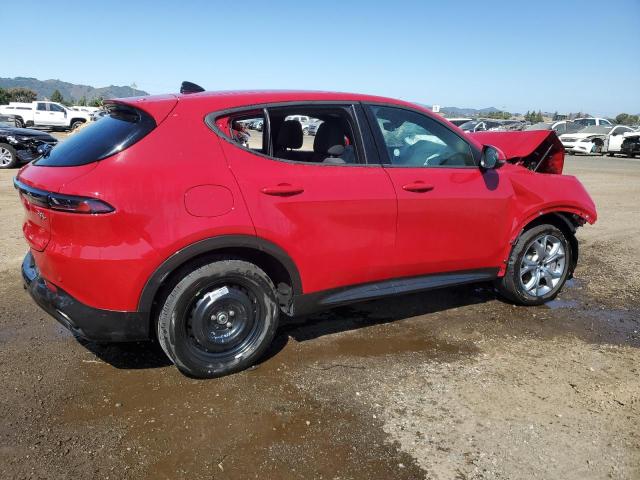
[(613, 142), (44, 114), (83, 108), (593, 121), (304, 121), (595, 139)]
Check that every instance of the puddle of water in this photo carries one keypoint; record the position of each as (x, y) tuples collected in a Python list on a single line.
[(562, 303), (256, 423)]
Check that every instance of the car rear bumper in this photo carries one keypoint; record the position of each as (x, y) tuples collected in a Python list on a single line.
[(84, 321)]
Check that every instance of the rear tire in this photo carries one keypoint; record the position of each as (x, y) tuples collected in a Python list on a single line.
[(538, 266), (218, 319), (19, 122), (8, 156)]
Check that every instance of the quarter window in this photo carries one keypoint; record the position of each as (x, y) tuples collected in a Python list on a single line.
[(415, 140)]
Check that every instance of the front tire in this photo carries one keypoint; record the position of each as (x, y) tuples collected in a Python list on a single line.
[(218, 319), (538, 266), (8, 156)]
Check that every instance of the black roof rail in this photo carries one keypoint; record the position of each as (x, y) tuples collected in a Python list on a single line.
[(189, 87)]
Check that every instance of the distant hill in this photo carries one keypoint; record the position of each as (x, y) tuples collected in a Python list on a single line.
[(44, 89), (467, 112), (463, 112)]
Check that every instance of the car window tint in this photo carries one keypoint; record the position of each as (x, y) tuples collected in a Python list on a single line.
[(415, 140), (42, 106), (55, 108)]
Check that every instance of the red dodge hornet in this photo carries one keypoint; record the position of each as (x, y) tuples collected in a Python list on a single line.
[(199, 218)]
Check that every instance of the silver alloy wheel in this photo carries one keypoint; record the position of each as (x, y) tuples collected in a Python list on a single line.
[(5, 157), (543, 265)]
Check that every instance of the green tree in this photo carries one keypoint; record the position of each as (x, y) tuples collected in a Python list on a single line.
[(4, 96), (626, 119), (57, 97), (20, 94), (96, 102), (83, 101)]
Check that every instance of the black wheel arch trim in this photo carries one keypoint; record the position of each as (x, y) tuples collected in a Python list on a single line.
[(211, 245)]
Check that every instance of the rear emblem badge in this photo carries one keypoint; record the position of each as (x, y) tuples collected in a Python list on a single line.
[(41, 215)]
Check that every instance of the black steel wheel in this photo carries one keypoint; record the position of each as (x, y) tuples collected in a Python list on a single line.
[(218, 319)]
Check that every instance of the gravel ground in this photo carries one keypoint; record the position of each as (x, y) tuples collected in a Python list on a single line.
[(439, 385)]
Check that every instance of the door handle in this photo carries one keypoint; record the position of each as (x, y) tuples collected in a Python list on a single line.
[(417, 186), (282, 190)]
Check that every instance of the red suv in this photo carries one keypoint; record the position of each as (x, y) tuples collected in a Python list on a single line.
[(173, 218)]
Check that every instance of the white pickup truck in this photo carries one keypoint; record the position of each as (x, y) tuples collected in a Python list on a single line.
[(44, 114)]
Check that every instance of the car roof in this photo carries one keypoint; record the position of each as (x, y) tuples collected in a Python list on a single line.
[(226, 99)]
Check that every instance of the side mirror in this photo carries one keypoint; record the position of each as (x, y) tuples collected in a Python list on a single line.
[(490, 157)]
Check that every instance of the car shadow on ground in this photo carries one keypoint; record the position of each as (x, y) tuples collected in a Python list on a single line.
[(146, 355)]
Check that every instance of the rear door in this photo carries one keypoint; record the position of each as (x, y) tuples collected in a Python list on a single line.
[(452, 216), (41, 115), (337, 221)]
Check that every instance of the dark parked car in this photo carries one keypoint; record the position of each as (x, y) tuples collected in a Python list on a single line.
[(631, 145), (20, 145)]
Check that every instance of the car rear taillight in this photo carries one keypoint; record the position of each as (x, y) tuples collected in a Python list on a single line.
[(60, 202)]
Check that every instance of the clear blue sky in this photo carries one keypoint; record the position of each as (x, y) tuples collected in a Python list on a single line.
[(550, 55)]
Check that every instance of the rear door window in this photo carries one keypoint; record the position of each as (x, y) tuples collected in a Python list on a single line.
[(113, 133)]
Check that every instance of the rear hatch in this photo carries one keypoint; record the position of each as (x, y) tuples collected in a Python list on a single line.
[(41, 184)]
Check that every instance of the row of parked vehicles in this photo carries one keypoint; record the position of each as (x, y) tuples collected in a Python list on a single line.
[(589, 135), (21, 137)]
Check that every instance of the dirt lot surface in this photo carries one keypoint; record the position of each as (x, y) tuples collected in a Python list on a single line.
[(440, 385)]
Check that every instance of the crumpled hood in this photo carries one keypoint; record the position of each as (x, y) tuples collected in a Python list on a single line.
[(537, 150)]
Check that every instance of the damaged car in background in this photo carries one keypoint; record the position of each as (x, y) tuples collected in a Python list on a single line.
[(631, 143), (21, 145), (595, 140)]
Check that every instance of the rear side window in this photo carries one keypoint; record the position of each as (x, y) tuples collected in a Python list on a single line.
[(113, 133)]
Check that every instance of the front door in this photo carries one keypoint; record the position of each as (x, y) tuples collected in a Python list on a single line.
[(452, 216), (331, 212), (58, 114)]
